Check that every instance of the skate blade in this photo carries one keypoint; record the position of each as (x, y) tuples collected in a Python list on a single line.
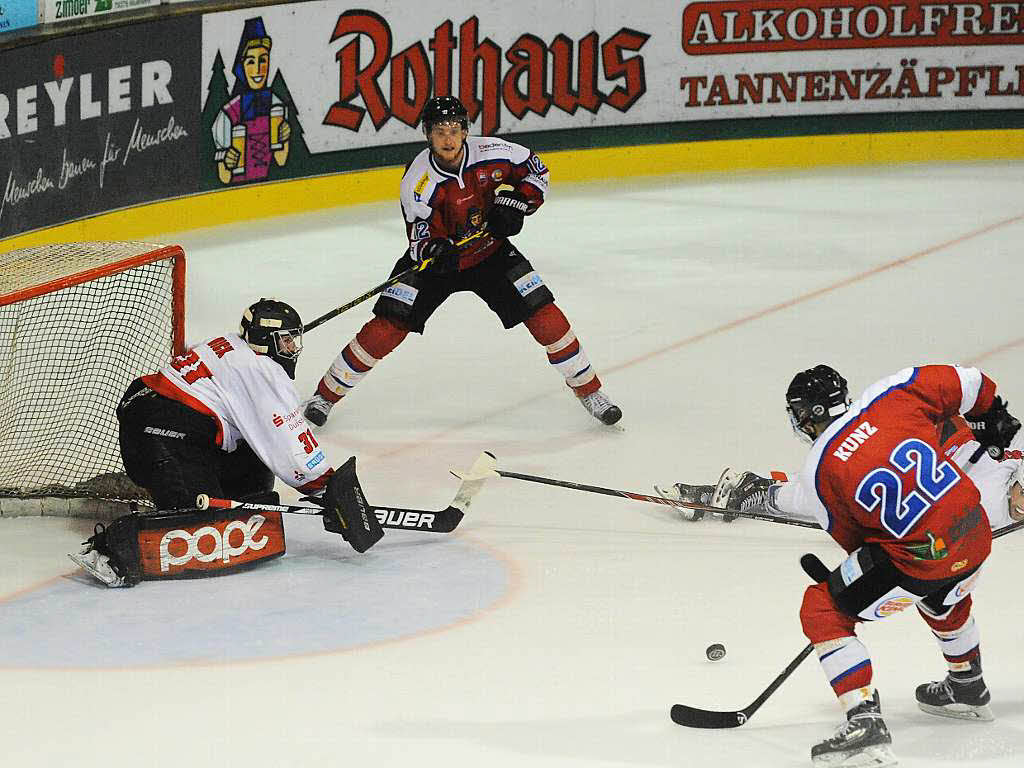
[(106, 575), (877, 756), (960, 711)]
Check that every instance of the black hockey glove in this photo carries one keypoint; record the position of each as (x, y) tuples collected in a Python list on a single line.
[(506, 216), (995, 428), (443, 255)]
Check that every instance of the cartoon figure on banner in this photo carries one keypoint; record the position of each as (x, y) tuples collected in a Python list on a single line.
[(252, 128)]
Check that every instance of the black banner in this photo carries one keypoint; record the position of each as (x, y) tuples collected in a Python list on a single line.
[(98, 121)]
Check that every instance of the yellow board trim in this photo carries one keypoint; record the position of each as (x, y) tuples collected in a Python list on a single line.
[(227, 206)]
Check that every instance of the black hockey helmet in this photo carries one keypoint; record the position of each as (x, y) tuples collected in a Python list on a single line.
[(274, 329), (815, 398), (444, 109)]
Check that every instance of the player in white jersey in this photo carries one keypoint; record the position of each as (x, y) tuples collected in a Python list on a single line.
[(459, 221), (223, 418)]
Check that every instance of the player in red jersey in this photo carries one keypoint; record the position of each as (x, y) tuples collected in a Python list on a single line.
[(459, 221), (879, 482)]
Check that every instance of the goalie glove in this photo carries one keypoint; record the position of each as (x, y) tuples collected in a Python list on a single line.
[(346, 511)]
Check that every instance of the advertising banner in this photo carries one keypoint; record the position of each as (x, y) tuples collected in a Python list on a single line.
[(302, 88), (817, 57), (98, 121), (59, 11), (342, 78), (18, 14)]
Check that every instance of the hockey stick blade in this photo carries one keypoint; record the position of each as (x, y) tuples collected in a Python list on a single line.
[(703, 718), (692, 717)]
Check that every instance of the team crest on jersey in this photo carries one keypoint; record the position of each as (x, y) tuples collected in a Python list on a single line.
[(421, 185), (497, 174)]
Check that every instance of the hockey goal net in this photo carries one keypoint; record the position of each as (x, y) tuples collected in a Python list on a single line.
[(78, 322)]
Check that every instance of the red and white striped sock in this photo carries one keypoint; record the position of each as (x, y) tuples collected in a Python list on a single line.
[(550, 328), (374, 341)]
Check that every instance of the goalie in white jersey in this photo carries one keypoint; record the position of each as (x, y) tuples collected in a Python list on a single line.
[(223, 418)]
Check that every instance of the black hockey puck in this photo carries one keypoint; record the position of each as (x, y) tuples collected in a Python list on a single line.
[(715, 652)]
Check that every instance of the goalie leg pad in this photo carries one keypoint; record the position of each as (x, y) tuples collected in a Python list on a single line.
[(347, 512)]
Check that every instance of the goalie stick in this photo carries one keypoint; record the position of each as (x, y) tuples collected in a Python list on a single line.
[(398, 518)]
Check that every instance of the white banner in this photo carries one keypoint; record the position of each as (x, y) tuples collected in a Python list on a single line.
[(359, 77)]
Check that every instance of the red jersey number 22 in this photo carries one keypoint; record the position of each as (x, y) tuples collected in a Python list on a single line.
[(900, 511)]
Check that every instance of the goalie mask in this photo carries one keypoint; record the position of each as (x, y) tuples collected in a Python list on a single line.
[(815, 398), (273, 328)]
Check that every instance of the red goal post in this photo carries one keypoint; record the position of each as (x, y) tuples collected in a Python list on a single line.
[(78, 322)]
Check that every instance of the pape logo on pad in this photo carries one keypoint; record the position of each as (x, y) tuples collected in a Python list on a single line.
[(197, 547)]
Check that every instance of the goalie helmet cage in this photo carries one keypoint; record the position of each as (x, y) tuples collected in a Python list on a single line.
[(78, 322)]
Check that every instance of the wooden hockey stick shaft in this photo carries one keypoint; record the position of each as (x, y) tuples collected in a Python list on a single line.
[(419, 267), (656, 499)]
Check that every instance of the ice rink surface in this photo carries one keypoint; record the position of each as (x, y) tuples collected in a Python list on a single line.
[(554, 628)]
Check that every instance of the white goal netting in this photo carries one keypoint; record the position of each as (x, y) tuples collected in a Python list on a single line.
[(78, 322)]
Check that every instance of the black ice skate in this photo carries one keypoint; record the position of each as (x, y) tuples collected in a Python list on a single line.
[(601, 408), (692, 494), (863, 740), (963, 697), (316, 409)]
